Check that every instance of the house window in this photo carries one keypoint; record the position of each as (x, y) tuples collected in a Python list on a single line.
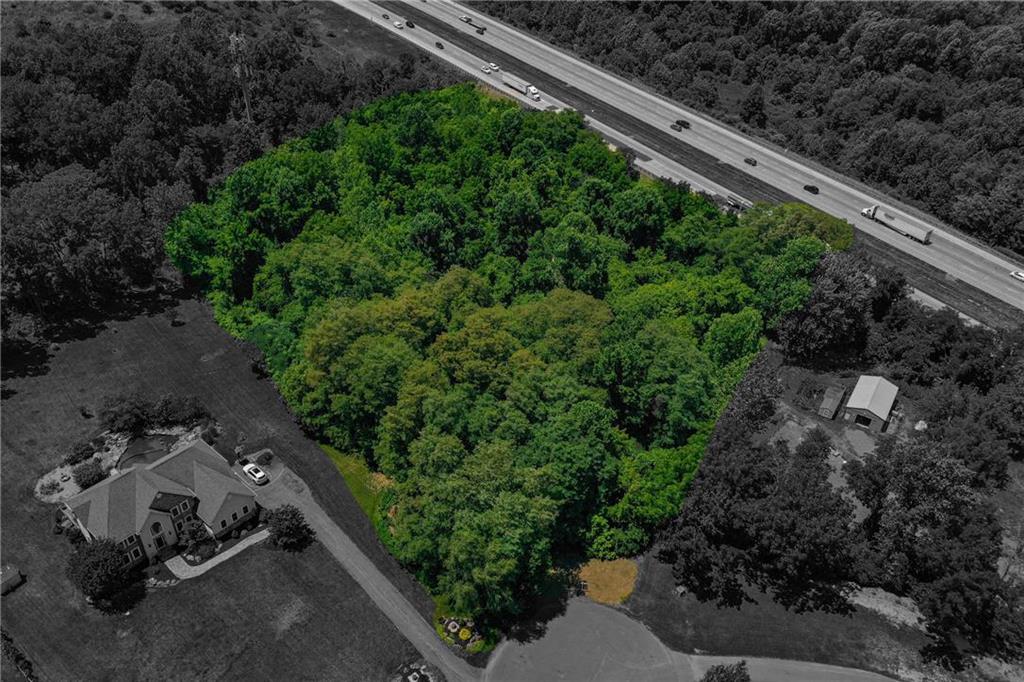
[(156, 528), (234, 516), (861, 420), (179, 525), (133, 555), (189, 518), (245, 509), (127, 541), (127, 558), (223, 523)]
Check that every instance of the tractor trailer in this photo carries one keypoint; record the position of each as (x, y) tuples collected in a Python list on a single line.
[(897, 224), (519, 85)]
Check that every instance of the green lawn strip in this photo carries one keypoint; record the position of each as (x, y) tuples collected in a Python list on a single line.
[(358, 479)]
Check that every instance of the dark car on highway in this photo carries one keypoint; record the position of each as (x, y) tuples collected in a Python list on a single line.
[(682, 123), (813, 189), (439, 45), (386, 16), (750, 162), (481, 30), (410, 24)]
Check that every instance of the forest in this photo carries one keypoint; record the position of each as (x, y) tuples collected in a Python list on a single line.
[(528, 341), (113, 124), (761, 516), (923, 100)]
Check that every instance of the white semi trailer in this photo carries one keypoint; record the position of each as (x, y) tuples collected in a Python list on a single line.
[(519, 85), (882, 215)]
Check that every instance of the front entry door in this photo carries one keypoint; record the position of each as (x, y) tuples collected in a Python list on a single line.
[(159, 541)]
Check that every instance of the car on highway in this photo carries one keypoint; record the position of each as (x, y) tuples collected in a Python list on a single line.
[(463, 17), (750, 162), (494, 67), (258, 476), (386, 16), (676, 127), (1018, 275), (399, 24), (439, 45), (682, 123), (480, 30), (813, 189), (410, 24), (485, 68)]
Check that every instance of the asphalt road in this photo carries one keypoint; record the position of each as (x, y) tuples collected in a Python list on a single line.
[(709, 155)]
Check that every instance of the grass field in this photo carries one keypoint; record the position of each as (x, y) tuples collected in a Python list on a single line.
[(609, 582), (358, 478), (262, 615), (864, 640)]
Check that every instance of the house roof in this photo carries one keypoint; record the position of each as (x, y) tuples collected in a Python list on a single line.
[(873, 394), (118, 507)]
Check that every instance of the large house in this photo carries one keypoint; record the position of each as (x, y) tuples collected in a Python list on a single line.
[(147, 508)]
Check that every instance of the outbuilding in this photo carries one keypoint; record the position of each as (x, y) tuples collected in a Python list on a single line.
[(10, 577), (871, 403), (831, 402)]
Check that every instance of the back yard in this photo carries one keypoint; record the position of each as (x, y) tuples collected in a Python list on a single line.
[(263, 613)]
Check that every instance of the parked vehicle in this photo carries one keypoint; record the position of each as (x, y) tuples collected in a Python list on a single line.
[(813, 189), (1017, 275), (463, 17), (519, 85), (898, 224), (258, 476), (750, 162), (682, 123), (439, 45)]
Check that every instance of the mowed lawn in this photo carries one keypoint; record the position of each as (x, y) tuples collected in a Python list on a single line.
[(864, 640), (262, 615)]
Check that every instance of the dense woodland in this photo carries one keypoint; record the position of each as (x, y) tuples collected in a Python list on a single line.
[(924, 100), (760, 516), (529, 342), (111, 126)]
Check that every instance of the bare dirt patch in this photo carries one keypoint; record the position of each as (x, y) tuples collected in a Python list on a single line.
[(609, 582)]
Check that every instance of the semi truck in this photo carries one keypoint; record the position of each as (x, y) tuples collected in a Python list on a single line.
[(882, 215), (519, 85)]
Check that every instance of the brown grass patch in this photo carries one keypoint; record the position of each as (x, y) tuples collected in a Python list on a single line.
[(609, 582)]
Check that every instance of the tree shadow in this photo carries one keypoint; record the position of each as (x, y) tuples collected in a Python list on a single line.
[(125, 599), (561, 584), (20, 357)]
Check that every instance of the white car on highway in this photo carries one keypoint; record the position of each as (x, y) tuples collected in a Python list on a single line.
[(399, 25), (1018, 275), (485, 68), (494, 67)]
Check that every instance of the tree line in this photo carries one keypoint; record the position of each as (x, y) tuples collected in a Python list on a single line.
[(922, 100), (485, 303), (113, 126), (762, 516)]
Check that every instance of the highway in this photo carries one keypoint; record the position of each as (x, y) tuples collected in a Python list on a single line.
[(709, 155)]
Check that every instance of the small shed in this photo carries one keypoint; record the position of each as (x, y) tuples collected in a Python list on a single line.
[(831, 402), (10, 577), (871, 403)]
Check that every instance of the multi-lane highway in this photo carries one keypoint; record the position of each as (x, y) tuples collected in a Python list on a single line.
[(709, 155)]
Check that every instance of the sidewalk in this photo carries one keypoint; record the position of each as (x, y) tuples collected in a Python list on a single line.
[(184, 571)]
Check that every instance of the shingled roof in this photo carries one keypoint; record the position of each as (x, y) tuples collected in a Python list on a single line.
[(873, 394), (118, 507)]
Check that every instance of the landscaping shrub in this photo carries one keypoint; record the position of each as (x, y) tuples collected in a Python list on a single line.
[(17, 658), (97, 568), (80, 452), (735, 672), (49, 487), (265, 458), (134, 414), (89, 473), (288, 528)]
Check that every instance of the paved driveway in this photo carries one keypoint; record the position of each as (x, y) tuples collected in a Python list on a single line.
[(287, 488)]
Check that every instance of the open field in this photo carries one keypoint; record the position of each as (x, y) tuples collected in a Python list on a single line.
[(358, 478), (336, 631)]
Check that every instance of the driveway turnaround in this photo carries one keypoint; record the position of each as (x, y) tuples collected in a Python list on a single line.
[(184, 571), (287, 488), (596, 643)]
